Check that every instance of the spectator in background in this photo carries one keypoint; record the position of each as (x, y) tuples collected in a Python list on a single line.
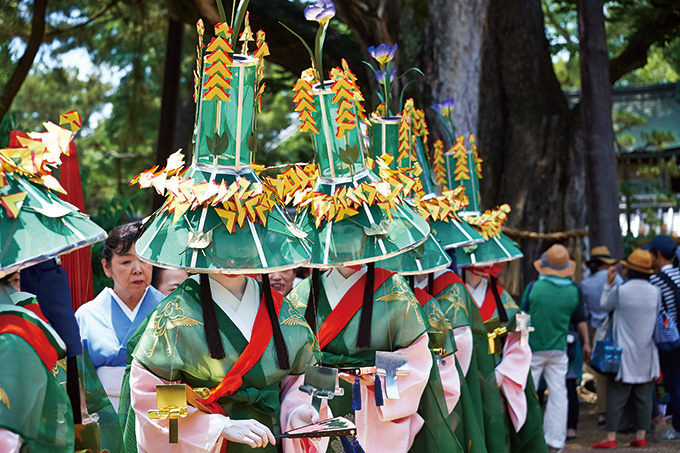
[(635, 306), (591, 290), (167, 280), (14, 280), (667, 279), (552, 301), (107, 322)]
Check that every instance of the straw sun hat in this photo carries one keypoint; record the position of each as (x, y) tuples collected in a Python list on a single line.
[(640, 261), (555, 261)]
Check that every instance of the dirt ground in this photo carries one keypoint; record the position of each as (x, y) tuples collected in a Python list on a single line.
[(588, 433)]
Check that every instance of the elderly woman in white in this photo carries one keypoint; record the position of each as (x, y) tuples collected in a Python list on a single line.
[(635, 305)]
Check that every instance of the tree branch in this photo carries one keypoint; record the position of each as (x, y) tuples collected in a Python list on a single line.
[(92, 18), (24, 64), (665, 23)]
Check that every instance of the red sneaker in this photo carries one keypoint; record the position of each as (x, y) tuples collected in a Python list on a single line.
[(639, 443), (605, 444)]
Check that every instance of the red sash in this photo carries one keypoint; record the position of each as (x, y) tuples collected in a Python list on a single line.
[(259, 340), (32, 334), (348, 306), (444, 281), (488, 307), (422, 296)]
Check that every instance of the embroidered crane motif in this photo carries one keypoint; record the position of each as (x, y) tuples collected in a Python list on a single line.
[(170, 317), (401, 291), (453, 296)]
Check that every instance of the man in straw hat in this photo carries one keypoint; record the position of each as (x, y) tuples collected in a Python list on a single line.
[(591, 290), (553, 301)]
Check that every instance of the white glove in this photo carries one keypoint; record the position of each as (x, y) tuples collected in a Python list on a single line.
[(303, 416), (250, 432)]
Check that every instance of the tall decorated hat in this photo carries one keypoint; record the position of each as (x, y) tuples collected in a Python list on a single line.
[(402, 142), (350, 214), (35, 225), (462, 166), (218, 216)]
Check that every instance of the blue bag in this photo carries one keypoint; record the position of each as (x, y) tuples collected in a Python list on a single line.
[(606, 356)]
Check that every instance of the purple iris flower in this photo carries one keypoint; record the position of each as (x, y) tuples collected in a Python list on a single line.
[(445, 107), (321, 11), (383, 53), (380, 75)]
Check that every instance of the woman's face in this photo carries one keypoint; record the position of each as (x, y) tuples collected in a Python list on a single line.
[(130, 276)]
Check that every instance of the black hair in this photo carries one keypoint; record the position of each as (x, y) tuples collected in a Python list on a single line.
[(595, 265), (120, 240), (156, 276), (637, 274)]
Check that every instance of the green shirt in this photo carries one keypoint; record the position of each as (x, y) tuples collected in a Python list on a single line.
[(551, 308)]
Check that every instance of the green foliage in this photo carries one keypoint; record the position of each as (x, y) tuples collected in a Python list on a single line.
[(625, 19)]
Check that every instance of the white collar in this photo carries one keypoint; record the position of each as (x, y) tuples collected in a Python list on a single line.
[(241, 312), (478, 293), (131, 314), (336, 285), (420, 281)]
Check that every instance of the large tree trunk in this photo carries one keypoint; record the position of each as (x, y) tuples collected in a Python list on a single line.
[(528, 137), (596, 108)]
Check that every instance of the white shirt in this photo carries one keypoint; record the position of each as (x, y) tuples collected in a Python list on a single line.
[(131, 314), (479, 293), (241, 312), (336, 285)]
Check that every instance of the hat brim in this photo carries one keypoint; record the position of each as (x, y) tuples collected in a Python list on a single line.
[(498, 249), (545, 270), (635, 267), (609, 261), (250, 249), (424, 259)]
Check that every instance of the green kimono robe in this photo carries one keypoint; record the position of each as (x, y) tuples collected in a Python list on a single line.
[(438, 432), (530, 436), (480, 378), (33, 405), (173, 348), (397, 324)]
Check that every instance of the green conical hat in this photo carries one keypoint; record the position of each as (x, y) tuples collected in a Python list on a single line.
[(219, 217), (395, 136), (427, 257), (35, 225), (346, 228), (497, 249), (44, 228), (463, 166)]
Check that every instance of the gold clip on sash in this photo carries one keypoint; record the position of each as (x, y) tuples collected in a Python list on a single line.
[(437, 345), (172, 404), (495, 339)]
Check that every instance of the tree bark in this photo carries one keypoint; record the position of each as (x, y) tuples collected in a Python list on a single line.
[(528, 137), (169, 99), (596, 108), (26, 61)]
